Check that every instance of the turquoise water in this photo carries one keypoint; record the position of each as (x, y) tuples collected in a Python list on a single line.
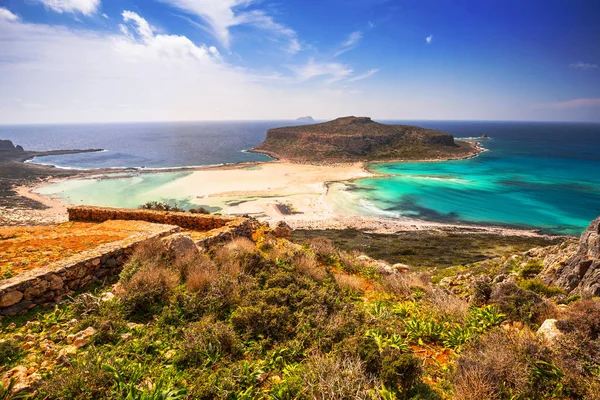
[(121, 190), (542, 176), (535, 175)]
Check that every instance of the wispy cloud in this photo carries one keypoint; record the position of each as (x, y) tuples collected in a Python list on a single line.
[(582, 65), (570, 104), (86, 7), (6, 15), (350, 43), (335, 71), (221, 15), (366, 75), (429, 39)]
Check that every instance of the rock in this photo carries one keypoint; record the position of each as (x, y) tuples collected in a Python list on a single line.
[(399, 267), (580, 272), (6, 145), (178, 245), (80, 339), (65, 353), (107, 296), (10, 298), (549, 331), (126, 336), (283, 230)]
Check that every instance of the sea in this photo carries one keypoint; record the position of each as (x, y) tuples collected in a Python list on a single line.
[(533, 175)]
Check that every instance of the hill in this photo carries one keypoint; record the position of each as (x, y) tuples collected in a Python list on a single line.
[(264, 318), (351, 139)]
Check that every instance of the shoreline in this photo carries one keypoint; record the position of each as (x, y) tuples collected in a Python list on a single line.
[(274, 191)]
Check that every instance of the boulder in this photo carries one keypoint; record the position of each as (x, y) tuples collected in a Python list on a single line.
[(10, 298), (283, 230), (178, 245), (549, 331)]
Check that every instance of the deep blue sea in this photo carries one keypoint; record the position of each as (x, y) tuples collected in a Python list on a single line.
[(534, 175)]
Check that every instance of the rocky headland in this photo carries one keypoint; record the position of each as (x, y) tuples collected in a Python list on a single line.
[(352, 139), (15, 173)]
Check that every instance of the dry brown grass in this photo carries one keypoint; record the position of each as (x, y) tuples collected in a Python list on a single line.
[(323, 247), (200, 274), (307, 264), (498, 363), (336, 378), (401, 284), (229, 257), (447, 304), (350, 282)]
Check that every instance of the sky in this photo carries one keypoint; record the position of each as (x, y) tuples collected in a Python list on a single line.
[(71, 61)]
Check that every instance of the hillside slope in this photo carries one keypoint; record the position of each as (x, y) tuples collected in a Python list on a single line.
[(351, 139)]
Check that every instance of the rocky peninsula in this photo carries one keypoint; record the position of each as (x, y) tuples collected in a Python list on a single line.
[(15, 173), (353, 139)]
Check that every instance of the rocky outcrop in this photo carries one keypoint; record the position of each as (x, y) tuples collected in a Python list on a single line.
[(308, 118), (579, 270), (7, 145), (350, 139)]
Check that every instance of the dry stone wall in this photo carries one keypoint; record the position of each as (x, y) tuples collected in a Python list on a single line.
[(49, 284), (220, 227)]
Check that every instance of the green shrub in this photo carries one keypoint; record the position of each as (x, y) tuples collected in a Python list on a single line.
[(519, 304), (147, 290), (538, 286), (531, 269), (206, 341), (10, 352), (400, 371)]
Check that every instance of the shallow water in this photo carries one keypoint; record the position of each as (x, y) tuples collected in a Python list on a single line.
[(535, 175), (544, 176)]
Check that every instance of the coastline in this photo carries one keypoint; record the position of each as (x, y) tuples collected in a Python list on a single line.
[(271, 191), (274, 191)]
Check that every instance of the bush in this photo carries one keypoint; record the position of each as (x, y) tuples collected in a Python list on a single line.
[(147, 290), (400, 371), (324, 250), (161, 206), (263, 319), (583, 318), (199, 210), (481, 291), (502, 365), (206, 341), (519, 304), (538, 286), (531, 269), (148, 253), (306, 264), (326, 377), (10, 353)]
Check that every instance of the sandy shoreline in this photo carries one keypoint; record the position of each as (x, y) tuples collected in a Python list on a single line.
[(273, 191)]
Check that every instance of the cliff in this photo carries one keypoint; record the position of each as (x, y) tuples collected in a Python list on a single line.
[(350, 139), (7, 145), (577, 269)]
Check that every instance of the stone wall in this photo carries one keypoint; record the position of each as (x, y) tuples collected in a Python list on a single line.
[(218, 228), (201, 222), (49, 284)]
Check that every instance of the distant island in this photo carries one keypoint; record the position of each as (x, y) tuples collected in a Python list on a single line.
[(351, 139), (308, 118)]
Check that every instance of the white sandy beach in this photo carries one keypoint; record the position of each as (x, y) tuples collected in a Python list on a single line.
[(278, 191)]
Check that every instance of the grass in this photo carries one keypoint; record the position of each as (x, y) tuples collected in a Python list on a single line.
[(276, 320), (426, 249)]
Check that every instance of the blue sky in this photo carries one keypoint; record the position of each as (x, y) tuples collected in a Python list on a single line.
[(139, 60)]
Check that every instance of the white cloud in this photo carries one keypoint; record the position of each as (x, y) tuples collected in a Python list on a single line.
[(335, 71), (86, 7), (6, 15), (582, 65), (222, 15), (429, 39), (350, 43), (366, 75), (104, 16), (570, 104)]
